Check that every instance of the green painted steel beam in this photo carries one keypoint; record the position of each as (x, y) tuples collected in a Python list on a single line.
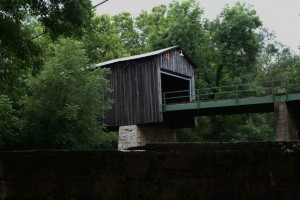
[(231, 102)]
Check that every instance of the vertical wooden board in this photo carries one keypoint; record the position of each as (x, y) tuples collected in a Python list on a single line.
[(135, 94), (173, 62)]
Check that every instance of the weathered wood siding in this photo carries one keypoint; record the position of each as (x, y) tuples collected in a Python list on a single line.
[(136, 86), (172, 61), (135, 93)]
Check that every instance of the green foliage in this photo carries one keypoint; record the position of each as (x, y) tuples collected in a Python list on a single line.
[(113, 37), (284, 65), (108, 140), (103, 41), (190, 135), (19, 52), (151, 24), (66, 17), (234, 47), (178, 24), (10, 123), (66, 101), (232, 128), (127, 31)]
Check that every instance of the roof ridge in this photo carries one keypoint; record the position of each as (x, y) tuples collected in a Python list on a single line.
[(148, 54)]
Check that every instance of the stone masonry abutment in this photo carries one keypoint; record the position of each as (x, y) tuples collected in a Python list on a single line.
[(287, 120), (139, 135)]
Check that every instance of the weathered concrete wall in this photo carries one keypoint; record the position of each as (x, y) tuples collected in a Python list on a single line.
[(286, 121), (134, 136), (156, 172)]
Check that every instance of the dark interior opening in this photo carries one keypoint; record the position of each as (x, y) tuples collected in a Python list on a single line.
[(174, 84)]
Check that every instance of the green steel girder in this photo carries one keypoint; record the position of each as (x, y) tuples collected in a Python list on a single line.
[(249, 101)]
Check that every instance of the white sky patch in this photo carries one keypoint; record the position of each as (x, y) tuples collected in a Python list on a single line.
[(280, 16)]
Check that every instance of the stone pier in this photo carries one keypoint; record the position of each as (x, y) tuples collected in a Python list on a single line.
[(138, 135), (287, 121)]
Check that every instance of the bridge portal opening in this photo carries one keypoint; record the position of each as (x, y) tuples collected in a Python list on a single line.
[(175, 88)]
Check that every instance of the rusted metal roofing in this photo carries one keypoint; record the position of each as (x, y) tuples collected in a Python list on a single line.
[(153, 53)]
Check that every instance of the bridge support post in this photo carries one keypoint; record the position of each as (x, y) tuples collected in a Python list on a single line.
[(287, 121), (138, 135)]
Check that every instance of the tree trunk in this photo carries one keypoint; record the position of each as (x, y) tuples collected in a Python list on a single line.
[(218, 81), (216, 125)]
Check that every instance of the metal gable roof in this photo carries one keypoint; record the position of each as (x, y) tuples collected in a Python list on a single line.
[(153, 53)]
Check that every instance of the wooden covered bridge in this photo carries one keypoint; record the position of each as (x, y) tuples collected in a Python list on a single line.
[(154, 93)]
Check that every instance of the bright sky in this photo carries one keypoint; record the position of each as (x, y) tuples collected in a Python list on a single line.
[(280, 16)]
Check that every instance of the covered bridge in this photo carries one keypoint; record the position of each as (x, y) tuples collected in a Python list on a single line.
[(138, 83)]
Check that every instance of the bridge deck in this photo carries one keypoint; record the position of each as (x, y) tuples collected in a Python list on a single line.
[(234, 99), (232, 106)]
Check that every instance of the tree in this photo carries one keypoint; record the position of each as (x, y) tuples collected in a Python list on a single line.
[(103, 41), (151, 24), (18, 50), (178, 24), (278, 61), (66, 101), (235, 46), (128, 34), (244, 127), (232, 56), (67, 17), (10, 124)]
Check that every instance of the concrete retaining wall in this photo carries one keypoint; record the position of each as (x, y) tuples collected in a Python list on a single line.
[(156, 171)]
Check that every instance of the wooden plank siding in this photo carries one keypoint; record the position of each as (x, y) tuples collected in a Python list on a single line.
[(173, 62), (136, 86), (135, 90)]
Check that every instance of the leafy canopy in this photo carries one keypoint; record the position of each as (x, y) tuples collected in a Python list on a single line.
[(66, 101), (18, 49)]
